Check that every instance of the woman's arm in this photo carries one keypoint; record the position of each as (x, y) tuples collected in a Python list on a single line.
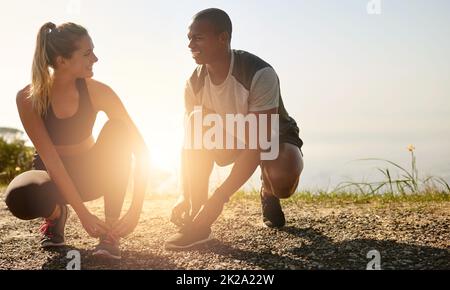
[(35, 128), (106, 100)]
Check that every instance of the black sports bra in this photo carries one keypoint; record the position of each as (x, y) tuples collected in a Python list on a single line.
[(77, 128)]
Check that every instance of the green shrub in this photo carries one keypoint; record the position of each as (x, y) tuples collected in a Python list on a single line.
[(15, 158)]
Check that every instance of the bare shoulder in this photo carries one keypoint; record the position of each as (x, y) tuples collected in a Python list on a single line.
[(102, 95), (96, 87), (29, 117), (23, 99), (98, 93)]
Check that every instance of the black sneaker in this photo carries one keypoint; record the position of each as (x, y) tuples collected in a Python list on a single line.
[(108, 248), (273, 215), (53, 230), (187, 238)]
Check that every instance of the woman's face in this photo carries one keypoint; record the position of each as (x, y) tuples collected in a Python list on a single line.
[(82, 60)]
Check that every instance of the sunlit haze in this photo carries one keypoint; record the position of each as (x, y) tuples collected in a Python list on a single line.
[(359, 85)]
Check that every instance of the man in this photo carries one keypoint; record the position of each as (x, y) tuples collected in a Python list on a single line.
[(225, 82)]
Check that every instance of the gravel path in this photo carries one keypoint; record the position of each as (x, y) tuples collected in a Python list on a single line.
[(317, 236)]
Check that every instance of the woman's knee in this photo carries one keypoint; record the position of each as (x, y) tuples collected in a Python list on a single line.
[(17, 201), (115, 134), (116, 128), (23, 194), (117, 125)]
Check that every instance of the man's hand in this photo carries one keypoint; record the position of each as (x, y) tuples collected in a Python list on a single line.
[(181, 213)]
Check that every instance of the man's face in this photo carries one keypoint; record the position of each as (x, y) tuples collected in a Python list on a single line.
[(205, 44)]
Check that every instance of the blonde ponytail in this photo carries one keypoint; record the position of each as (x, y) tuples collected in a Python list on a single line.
[(41, 80), (52, 41)]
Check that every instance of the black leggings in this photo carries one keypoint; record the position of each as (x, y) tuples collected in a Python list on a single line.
[(102, 171)]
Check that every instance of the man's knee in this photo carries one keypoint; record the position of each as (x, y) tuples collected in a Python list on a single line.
[(283, 185), (283, 174), (224, 157), (284, 192)]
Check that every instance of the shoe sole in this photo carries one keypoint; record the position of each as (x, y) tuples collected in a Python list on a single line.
[(52, 245), (105, 254), (273, 226), (175, 247)]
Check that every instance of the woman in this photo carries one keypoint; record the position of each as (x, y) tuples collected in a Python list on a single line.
[(58, 111)]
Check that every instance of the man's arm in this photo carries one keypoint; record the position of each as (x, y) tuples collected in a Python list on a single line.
[(263, 99), (243, 168), (194, 190), (247, 162)]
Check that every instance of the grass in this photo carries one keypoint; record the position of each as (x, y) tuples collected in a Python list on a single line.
[(352, 197), (408, 182), (340, 197), (406, 187)]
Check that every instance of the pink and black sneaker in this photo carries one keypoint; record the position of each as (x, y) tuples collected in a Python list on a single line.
[(53, 230)]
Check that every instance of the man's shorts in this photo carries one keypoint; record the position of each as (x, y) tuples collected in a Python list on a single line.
[(289, 133)]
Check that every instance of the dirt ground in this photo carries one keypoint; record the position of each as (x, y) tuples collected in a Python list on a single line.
[(323, 235)]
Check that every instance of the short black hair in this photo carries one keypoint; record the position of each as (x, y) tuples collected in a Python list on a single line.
[(218, 18)]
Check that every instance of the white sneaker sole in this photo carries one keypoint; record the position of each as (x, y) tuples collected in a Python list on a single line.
[(168, 246)]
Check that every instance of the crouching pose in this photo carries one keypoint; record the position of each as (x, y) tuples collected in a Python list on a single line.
[(232, 82), (58, 110)]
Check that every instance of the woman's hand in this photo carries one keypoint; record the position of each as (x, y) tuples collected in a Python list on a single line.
[(126, 224), (93, 225)]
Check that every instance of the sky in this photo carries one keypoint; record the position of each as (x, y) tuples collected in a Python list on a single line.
[(359, 84)]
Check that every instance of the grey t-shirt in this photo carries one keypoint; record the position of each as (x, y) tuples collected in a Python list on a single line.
[(233, 96), (251, 85)]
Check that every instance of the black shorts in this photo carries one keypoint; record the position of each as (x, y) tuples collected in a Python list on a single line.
[(289, 133)]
